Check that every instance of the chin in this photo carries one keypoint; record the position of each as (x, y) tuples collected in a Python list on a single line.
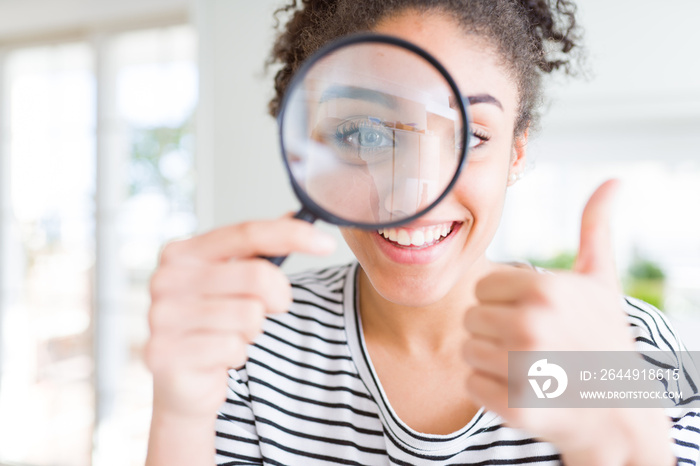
[(414, 297), (414, 286)]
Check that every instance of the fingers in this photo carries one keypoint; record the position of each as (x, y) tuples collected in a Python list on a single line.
[(202, 335), (509, 286), (487, 357), (263, 238), (240, 317), (197, 351), (256, 278), (596, 253), (488, 321)]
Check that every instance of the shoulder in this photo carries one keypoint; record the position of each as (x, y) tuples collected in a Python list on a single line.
[(313, 326), (318, 295), (650, 328), (321, 286), (657, 341), (313, 330)]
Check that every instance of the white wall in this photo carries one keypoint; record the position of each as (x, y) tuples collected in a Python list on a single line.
[(29, 19), (245, 179)]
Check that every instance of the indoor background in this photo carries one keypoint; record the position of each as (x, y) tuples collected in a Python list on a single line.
[(124, 124)]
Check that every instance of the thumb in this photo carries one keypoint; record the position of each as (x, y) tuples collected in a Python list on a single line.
[(596, 255)]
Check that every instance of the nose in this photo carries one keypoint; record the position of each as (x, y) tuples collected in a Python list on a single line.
[(415, 175)]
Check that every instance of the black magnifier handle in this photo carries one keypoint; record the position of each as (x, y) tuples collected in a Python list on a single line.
[(303, 214)]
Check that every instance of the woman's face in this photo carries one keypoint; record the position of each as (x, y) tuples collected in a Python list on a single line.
[(398, 269)]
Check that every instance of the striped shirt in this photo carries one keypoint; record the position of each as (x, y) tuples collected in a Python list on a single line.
[(309, 395)]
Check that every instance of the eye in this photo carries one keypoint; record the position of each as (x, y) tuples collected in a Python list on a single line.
[(478, 138), (364, 139), (368, 137)]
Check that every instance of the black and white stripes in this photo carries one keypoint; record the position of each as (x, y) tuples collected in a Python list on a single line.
[(308, 395), (653, 334)]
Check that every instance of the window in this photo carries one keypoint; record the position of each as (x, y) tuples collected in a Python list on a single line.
[(97, 173)]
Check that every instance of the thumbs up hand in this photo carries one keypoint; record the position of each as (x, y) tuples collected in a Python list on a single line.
[(522, 310), (595, 254)]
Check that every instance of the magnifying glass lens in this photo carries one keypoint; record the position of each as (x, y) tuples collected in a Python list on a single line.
[(373, 134)]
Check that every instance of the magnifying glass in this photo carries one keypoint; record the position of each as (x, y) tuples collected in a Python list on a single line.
[(374, 133)]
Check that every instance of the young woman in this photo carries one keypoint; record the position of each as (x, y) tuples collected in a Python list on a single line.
[(401, 357)]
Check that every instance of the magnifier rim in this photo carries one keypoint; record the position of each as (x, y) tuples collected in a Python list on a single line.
[(366, 37)]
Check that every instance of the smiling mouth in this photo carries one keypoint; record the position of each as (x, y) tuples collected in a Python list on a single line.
[(418, 238)]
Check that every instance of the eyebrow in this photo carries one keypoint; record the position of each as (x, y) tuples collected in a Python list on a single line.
[(484, 99), (358, 93)]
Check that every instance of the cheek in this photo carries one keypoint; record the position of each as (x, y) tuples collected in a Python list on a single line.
[(482, 188), (358, 241), (350, 237)]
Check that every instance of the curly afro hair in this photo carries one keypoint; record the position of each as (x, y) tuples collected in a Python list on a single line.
[(533, 37)]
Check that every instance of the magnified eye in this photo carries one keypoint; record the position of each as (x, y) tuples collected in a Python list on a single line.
[(365, 139)]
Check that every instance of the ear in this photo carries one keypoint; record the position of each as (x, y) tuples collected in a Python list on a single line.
[(518, 157)]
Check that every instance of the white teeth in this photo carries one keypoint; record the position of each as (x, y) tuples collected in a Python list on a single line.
[(403, 239), (393, 234), (418, 236)]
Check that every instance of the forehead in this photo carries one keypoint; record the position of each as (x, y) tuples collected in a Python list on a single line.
[(471, 60), (381, 72)]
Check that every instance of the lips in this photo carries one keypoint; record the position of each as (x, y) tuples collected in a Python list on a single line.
[(418, 238), (418, 243)]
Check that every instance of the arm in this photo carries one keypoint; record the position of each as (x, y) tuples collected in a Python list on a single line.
[(180, 440)]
